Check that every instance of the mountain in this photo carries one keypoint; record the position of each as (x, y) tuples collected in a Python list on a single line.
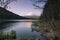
[(32, 16), (5, 14)]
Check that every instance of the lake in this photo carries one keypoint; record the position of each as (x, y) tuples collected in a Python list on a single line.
[(23, 28)]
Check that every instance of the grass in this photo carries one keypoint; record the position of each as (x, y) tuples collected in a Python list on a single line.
[(7, 36), (46, 29), (12, 36), (25, 38)]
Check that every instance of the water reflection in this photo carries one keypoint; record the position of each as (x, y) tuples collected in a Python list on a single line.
[(23, 29)]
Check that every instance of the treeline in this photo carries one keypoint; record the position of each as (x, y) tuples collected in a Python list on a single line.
[(51, 10)]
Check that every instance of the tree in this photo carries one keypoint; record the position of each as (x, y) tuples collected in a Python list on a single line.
[(38, 3), (5, 3), (51, 11)]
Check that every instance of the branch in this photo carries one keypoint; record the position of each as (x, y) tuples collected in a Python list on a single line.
[(37, 7), (41, 1), (8, 2)]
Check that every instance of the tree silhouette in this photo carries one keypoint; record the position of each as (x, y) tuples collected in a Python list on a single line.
[(5, 3), (51, 10)]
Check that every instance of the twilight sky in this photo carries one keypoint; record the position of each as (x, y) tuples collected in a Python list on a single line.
[(24, 7)]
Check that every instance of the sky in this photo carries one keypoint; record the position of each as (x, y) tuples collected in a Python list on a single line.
[(24, 7)]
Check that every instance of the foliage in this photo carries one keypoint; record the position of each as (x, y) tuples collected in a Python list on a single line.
[(25, 38)]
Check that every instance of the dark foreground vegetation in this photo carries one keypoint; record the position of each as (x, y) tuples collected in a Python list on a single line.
[(51, 17), (6, 36), (49, 22), (12, 36)]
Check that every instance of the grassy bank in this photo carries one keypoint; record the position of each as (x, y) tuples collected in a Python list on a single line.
[(47, 30), (12, 36), (6, 36)]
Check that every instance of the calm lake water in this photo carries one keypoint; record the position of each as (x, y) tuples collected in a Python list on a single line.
[(23, 28)]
